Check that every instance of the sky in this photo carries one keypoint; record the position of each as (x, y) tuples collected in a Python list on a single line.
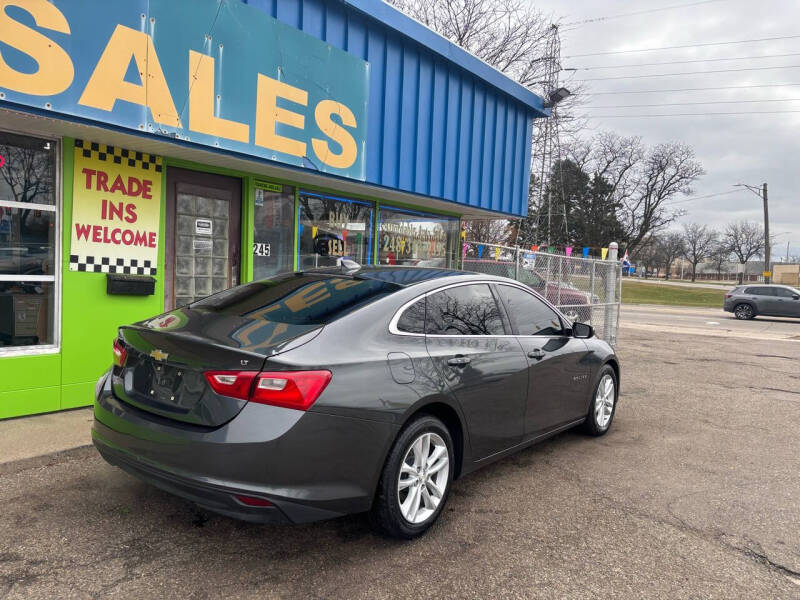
[(743, 148)]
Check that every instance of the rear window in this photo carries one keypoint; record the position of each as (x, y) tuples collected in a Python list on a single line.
[(298, 299)]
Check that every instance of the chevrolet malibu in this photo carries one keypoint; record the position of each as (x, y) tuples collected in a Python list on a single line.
[(317, 394)]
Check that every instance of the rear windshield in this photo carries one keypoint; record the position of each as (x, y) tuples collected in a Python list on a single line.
[(298, 298)]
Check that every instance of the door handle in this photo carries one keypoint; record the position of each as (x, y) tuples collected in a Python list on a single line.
[(458, 361), (536, 353)]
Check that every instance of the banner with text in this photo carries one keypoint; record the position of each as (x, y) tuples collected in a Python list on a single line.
[(115, 210)]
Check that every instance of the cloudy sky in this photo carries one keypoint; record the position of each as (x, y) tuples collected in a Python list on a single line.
[(747, 148)]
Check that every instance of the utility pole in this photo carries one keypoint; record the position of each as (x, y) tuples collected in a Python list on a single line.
[(767, 243), (762, 193), (787, 251)]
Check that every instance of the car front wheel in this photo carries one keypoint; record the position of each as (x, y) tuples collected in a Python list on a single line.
[(603, 404), (744, 312), (416, 479)]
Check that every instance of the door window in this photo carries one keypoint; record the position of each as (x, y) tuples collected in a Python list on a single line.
[(528, 314), (203, 220), (784, 293), (28, 241), (463, 310), (273, 224)]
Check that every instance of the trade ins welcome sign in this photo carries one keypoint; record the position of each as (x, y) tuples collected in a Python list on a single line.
[(115, 210), (215, 72)]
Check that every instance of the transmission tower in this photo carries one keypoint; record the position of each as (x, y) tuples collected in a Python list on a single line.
[(543, 153)]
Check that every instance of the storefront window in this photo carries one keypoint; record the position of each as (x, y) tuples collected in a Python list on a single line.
[(28, 240), (273, 228), (333, 228), (412, 238)]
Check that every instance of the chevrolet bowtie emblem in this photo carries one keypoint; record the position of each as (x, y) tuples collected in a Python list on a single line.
[(159, 354)]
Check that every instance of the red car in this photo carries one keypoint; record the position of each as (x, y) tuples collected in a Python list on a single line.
[(574, 303)]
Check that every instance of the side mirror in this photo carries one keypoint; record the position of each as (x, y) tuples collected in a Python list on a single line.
[(582, 331), (795, 297)]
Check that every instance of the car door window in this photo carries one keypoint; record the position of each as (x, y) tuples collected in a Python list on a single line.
[(784, 293), (463, 310), (528, 314), (413, 318)]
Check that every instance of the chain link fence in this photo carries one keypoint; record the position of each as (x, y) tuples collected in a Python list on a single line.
[(586, 290)]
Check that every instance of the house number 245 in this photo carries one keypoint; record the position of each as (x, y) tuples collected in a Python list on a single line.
[(261, 249)]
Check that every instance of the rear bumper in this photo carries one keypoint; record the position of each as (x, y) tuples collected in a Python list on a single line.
[(311, 466)]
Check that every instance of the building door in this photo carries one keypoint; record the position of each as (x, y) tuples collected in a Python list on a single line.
[(203, 235)]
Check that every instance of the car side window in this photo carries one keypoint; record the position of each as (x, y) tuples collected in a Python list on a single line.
[(760, 291), (528, 314), (463, 310), (784, 293), (413, 318)]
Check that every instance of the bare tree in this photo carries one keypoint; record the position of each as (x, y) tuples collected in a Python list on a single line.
[(698, 242), (670, 248), (490, 231), (640, 180), (719, 256), (746, 240), (508, 34)]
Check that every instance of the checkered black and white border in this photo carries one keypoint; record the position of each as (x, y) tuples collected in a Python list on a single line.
[(104, 264)]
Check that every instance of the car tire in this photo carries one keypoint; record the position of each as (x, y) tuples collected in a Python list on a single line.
[(744, 312), (603, 403), (408, 480)]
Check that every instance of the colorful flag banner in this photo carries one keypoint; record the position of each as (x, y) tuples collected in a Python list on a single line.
[(585, 252), (535, 248), (568, 250), (314, 230), (464, 250), (463, 234), (358, 239), (603, 253), (497, 253), (344, 235), (480, 250), (551, 249), (300, 228)]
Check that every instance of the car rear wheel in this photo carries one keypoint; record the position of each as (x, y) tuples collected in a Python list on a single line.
[(603, 404), (744, 312), (416, 479)]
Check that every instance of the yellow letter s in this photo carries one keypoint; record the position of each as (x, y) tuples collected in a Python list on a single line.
[(55, 70)]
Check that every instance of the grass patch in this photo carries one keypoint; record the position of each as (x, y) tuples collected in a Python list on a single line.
[(652, 293)]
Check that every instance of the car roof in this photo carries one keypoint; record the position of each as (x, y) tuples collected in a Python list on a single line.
[(404, 276)]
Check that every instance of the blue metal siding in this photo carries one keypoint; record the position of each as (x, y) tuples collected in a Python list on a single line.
[(435, 127)]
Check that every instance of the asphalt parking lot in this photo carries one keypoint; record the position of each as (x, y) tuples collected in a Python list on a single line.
[(695, 493)]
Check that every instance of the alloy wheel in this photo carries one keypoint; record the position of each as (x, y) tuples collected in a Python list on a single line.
[(423, 477), (744, 311), (604, 401)]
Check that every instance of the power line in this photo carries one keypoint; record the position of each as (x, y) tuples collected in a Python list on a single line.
[(642, 12), (707, 114), (691, 73), (681, 62), (696, 89), (693, 198), (695, 103), (768, 39)]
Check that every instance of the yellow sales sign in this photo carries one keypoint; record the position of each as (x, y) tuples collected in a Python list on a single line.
[(115, 210)]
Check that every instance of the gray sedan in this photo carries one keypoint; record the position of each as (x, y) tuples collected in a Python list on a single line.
[(316, 394), (748, 301)]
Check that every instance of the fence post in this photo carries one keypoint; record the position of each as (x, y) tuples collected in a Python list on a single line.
[(611, 288), (516, 264), (591, 293)]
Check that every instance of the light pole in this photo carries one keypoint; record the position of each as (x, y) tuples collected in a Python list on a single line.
[(762, 193)]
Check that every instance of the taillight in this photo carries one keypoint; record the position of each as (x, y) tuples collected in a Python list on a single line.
[(288, 389), (728, 296), (120, 354), (252, 500), (236, 384)]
